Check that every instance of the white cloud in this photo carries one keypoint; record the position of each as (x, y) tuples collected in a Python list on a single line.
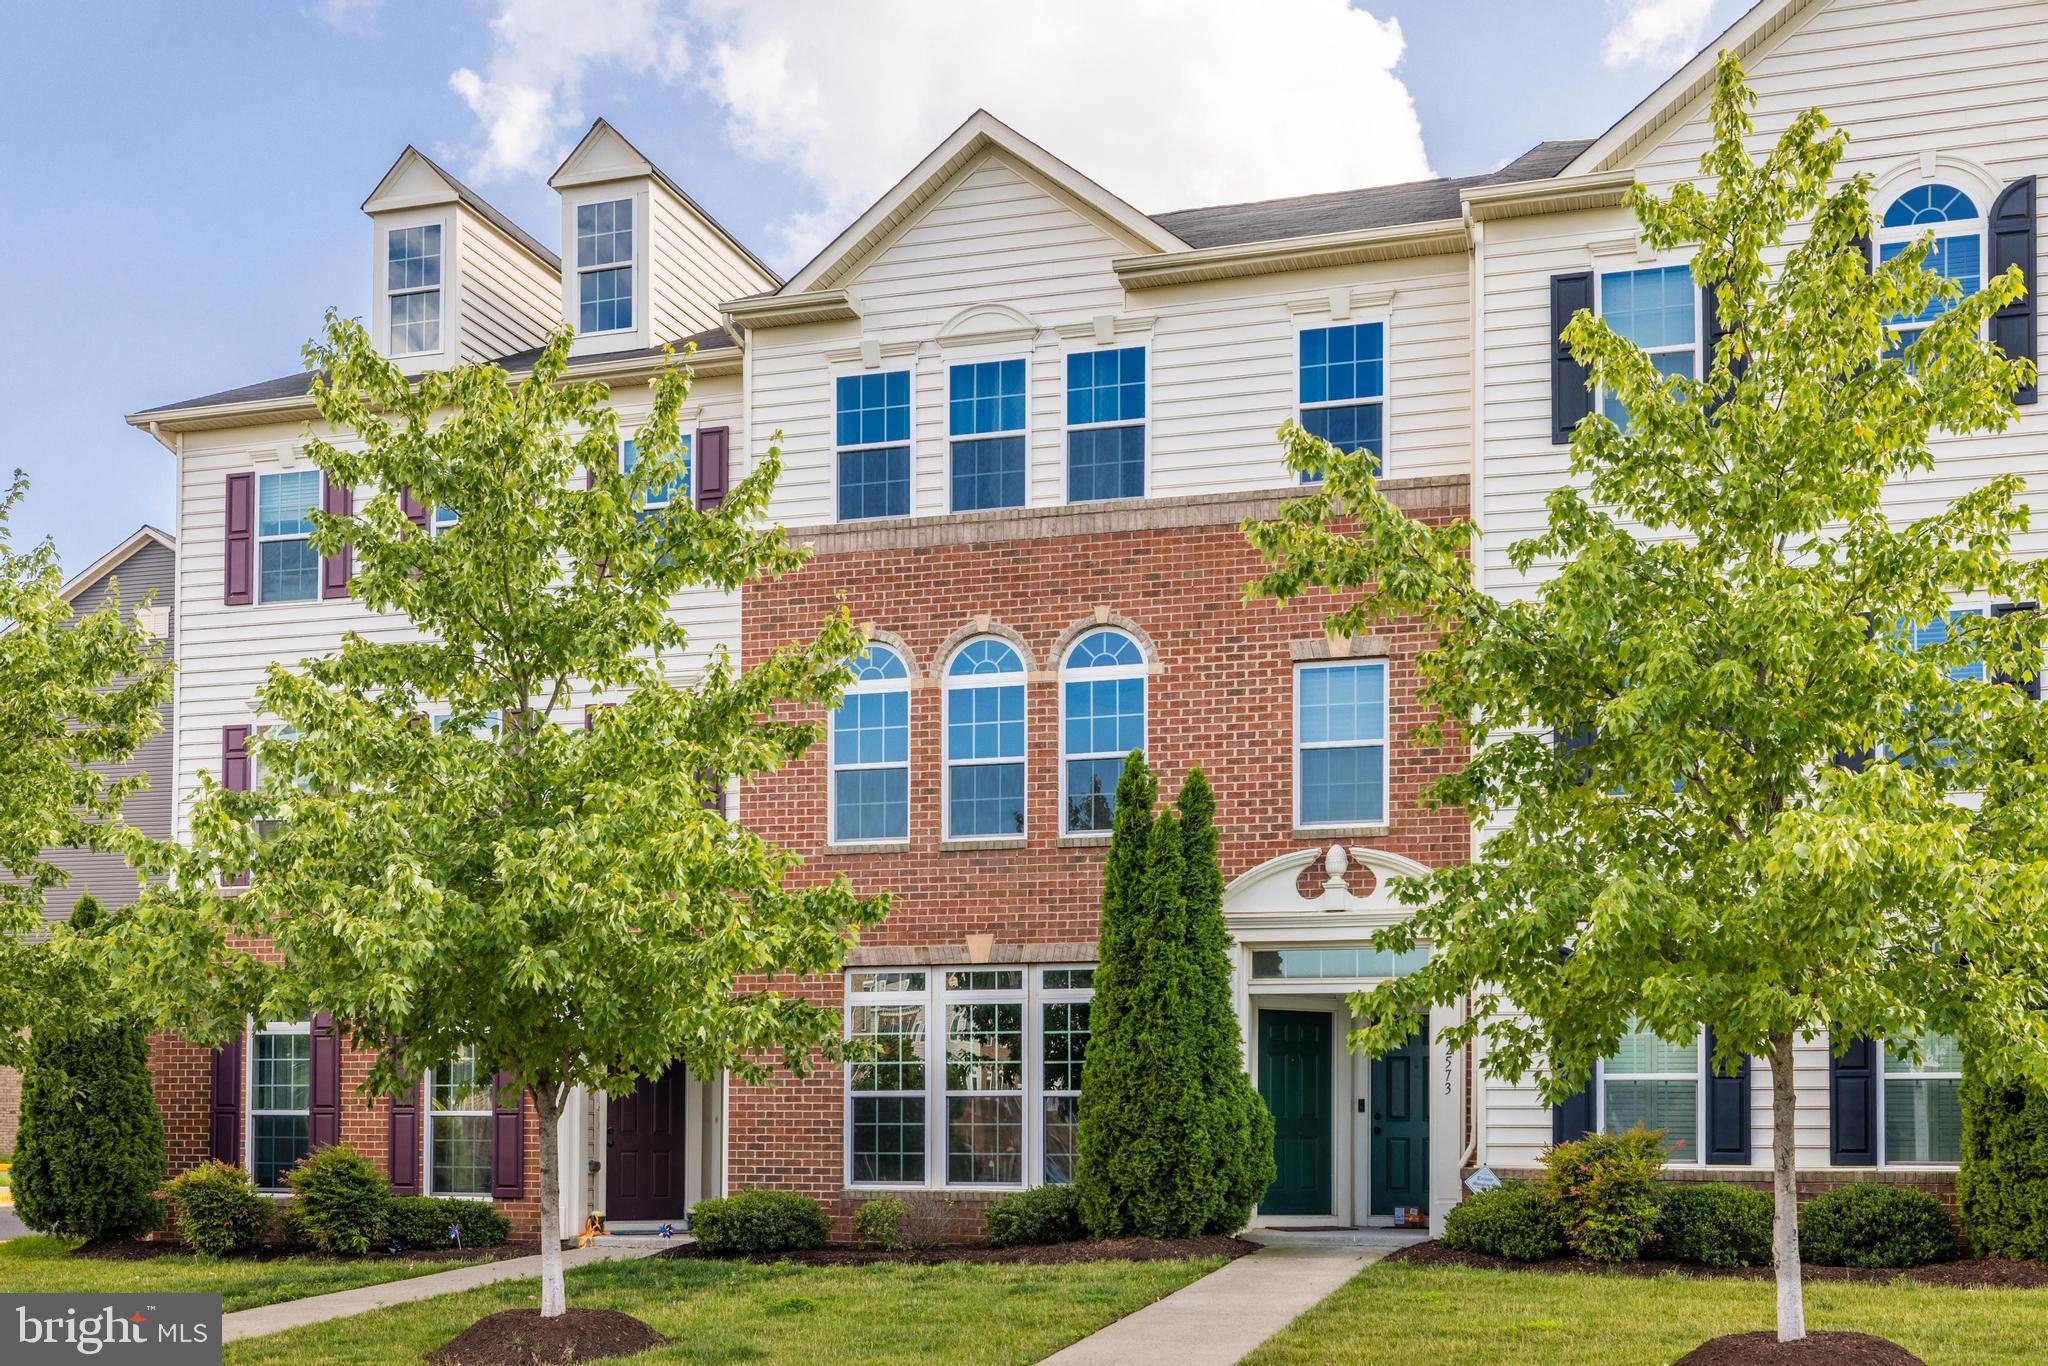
[(530, 93), (1169, 103), (349, 16), (1663, 33)]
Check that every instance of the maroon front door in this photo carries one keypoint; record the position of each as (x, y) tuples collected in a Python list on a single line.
[(644, 1152)]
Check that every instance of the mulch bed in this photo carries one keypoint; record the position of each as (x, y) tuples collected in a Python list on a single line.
[(1970, 1274), (1815, 1349), (521, 1337), (1046, 1254), (143, 1250)]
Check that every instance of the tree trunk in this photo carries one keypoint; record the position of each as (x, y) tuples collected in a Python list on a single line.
[(1785, 1194), (547, 1105)]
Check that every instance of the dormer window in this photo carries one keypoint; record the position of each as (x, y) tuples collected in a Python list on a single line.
[(413, 282), (604, 266)]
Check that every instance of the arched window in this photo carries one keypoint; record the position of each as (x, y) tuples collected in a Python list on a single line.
[(870, 752), (984, 741), (1102, 719), (1958, 251)]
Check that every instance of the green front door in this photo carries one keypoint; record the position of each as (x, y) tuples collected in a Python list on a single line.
[(1294, 1077), (1400, 1126)]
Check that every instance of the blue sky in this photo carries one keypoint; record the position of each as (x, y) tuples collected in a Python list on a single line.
[(184, 178)]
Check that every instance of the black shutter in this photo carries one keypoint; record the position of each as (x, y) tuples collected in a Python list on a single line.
[(1572, 1118), (224, 1130), (324, 1075), (508, 1140), (1570, 398), (1852, 1104), (2030, 686), (1716, 331), (1861, 246), (2016, 327), (1727, 1127)]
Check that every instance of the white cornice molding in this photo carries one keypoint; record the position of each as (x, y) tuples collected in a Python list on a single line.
[(1527, 198), (784, 310)]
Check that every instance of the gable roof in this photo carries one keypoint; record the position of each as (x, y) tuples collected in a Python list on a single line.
[(470, 200), (602, 131), (978, 134), (1376, 206), (1758, 25), (144, 535)]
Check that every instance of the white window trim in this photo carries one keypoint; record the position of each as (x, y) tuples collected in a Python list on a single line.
[(1696, 349), (1381, 744), (1978, 227), (1067, 673), (631, 265), (256, 569), (385, 293), (249, 1110), (1695, 1144), (955, 362), (833, 766), (948, 685), (1323, 322), (907, 365), (1067, 428), (1883, 1070), (432, 1116), (1033, 995)]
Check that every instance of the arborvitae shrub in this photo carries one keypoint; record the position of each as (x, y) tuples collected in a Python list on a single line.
[(2002, 1188), (89, 1156), (339, 1200)]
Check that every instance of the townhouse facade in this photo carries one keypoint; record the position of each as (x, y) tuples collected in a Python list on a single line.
[(1021, 423)]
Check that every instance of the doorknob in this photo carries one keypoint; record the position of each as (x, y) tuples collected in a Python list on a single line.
[(1375, 1128)]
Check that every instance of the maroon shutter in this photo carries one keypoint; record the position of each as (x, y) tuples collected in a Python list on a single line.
[(239, 568), (224, 1130), (405, 1142), (336, 501), (508, 1140), (714, 466), (234, 770), (326, 1082), (716, 801), (415, 511)]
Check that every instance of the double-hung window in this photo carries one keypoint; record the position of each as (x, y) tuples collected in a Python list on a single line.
[(1340, 737), (1657, 1085), (1957, 253), (870, 752), (1922, 1116), (288, 569), (280, 1100), (874, 445), (1106, 424), (1657, 309), (676, 490), (1932, 634), (1102, 719), (997, 1106), (984, 741), (412, 288), (1344, 387), (985, 420), (459, 1129), (604, 266)]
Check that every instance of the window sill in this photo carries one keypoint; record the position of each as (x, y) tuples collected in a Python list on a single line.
[(866, 846), (1091, 840), (1322, 832), (961, 846)]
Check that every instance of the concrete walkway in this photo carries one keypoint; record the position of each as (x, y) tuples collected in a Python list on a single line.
[(275, 1318), (1219, 1319)]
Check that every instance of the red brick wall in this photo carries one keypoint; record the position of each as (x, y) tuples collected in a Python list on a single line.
[(1221, 697)]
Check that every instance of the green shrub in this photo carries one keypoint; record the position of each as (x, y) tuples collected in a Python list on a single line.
[(1871, 1224), (1715, 1223), (1047, 1214), (1603, 1189), (2002, 1188), (759, 1222), (219, 1210), (338, 1200), (1510, 1220), (878, 1224), (90, 1154), (424, 1221)]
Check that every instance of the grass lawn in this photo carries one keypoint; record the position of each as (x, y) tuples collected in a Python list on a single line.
[(39, 1263), (1394, 1313), (737, 1311)]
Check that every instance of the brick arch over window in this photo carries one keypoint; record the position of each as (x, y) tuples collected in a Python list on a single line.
[(969, 630), (1058, 655)]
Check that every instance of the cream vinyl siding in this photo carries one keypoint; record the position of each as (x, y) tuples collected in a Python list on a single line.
[(223, 652), (507, 301), (691, 269)]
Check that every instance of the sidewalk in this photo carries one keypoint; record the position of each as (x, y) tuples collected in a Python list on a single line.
[(1219, 1319), (275, 1318)]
